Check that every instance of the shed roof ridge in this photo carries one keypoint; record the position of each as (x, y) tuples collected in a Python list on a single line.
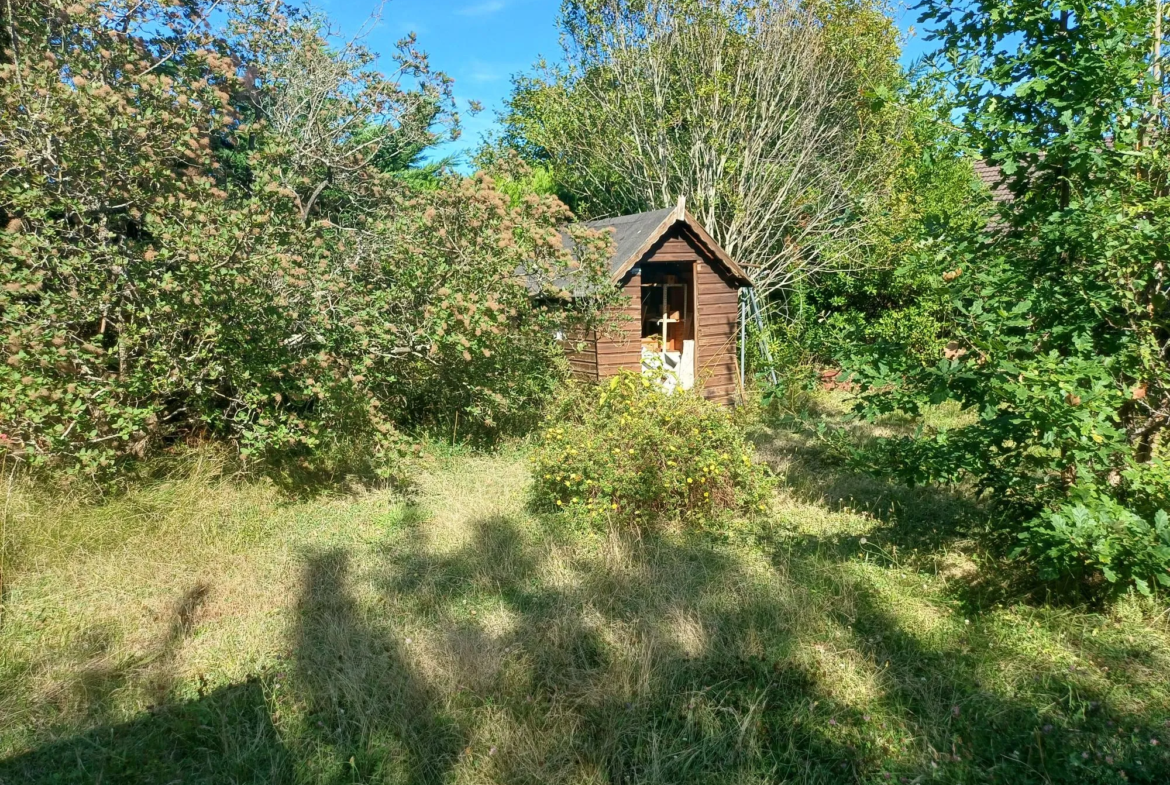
[(635, 234)]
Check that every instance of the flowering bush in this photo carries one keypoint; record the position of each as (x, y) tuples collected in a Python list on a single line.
[(202, 233), (636, 453)]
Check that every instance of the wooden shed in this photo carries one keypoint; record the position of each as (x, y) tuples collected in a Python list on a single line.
[(683, 305)]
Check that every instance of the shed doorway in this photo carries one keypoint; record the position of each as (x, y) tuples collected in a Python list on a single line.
[(668, 323)]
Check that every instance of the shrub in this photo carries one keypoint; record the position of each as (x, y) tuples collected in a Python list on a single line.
[(1057, 319), (795, 373), (634, 453), (1098, 537)]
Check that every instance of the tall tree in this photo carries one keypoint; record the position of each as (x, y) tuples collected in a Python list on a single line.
[(772, 118), (1062, 318)]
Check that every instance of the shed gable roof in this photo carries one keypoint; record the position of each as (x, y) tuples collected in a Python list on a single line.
[(631, 233), (634, 235)]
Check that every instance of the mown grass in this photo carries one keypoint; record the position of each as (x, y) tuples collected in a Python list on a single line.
[(210, 629)]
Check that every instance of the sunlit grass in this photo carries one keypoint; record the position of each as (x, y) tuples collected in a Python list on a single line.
[(211, 629)]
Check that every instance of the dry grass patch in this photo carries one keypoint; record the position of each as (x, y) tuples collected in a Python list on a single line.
[(213, 630)]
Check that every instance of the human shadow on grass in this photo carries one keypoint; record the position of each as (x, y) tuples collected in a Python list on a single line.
[(649, 663), (224, 735), (367, 715)]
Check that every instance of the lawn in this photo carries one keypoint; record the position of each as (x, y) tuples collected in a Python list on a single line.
[(211, 628)]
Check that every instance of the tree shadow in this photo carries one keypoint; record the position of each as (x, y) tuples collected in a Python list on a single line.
[(225, 735), (97, 679), (816, 472), (939, 529), (645, 664), (669, 659), (1062, 725), (964, 721), (514, 650)]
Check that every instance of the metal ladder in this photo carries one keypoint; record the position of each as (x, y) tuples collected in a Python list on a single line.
[(749, 306)]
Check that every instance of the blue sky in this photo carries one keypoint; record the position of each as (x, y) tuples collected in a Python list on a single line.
[(482, 43)]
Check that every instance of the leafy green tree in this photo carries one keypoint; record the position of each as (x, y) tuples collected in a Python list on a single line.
[(514, 175), (899, 297), (1061, 341)]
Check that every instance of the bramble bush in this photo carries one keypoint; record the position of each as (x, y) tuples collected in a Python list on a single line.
[(628, 451)]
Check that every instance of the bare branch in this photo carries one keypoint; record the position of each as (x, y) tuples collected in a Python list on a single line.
[(739, 106)]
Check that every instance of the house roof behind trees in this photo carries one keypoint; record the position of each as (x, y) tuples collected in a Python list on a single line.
[(992, 176)]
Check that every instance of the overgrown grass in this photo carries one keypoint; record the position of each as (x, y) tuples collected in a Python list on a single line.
[(209, 629)]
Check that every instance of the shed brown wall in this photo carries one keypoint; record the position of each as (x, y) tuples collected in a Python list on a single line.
[(718, 319), (583, 363), (624, 351), (717, 306)]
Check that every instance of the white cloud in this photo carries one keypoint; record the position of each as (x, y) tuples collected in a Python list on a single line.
[(482, 9), (481, 73)]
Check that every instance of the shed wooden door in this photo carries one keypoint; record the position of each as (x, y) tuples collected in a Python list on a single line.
[(716, 308)]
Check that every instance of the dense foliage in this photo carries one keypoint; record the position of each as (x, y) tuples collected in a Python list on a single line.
[(205, 230), (1061, 334), (633, 453), (899, 296)]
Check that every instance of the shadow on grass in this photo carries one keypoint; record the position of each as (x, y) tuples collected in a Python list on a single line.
[(944, 530), (299, 480), (367, 715), (655, 662), (975, 705), (669, 659), (1051, 724), (814, 472), (225, 735), (512, 650)]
